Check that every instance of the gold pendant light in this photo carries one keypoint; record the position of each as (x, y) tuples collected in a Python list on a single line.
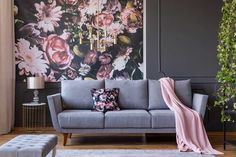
[(101, 35)]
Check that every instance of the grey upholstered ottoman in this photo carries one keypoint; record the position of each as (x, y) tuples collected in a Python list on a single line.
[(29, 146)]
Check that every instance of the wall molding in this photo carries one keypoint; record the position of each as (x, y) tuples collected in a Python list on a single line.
[(203, 78)]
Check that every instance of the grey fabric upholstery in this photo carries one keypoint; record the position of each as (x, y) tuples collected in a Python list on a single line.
[(163, 119), (182, 89), (133, 93), (128, 119), (199, 103), (73, 119), (76, 94), (119, 130), (29, 146), (133, 98), (156, 100), (55, 107)]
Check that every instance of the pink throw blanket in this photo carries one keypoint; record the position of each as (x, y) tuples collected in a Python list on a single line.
[(190, 132)]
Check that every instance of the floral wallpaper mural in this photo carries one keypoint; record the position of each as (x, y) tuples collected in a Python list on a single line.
[(58, 39)]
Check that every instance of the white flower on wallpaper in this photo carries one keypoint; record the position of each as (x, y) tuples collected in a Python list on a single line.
[(121, 61), (141, 67), (94, 5), (48, 16), (29, 58), (84, 69), (48, 44), (115, 28)]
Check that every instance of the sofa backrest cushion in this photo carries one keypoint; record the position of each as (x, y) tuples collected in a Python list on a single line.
[(76, 94), (182, 89), (133, 93)]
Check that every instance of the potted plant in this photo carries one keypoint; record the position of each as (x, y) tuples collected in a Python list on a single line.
[(226, 76)]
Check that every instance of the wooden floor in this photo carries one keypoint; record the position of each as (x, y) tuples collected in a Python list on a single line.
[(128, 141)]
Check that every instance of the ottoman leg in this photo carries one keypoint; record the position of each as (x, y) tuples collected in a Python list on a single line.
[(65, 136), (54, 151)]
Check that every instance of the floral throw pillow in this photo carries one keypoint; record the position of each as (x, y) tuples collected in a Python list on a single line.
[(105, 99)]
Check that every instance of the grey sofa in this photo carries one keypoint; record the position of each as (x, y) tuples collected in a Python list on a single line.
[(143, 109)]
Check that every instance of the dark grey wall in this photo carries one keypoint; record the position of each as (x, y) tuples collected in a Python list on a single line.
[(182, 38), (181, 43)]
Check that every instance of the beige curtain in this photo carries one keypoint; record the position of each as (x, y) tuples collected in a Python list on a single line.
[(7, 70)]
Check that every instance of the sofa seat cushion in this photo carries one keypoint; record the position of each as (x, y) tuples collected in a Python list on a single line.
[(127, 119), (162, 119), (133, 93), (182, 90), (81, 119)]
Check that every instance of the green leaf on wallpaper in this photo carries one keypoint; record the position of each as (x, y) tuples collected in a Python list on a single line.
[(133, 18), (124, 39), (132, 74), (88, 78), (18, 21), (140, 52), (77, 51)]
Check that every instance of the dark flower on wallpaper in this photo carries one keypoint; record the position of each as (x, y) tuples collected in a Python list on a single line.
[(71, 73), (113, 6), (50, 77), (29, 59), (31, 31), (48, 16), (90, 58), (105, 58), (84, 69), (120, 75), (58, 52), (102, 20), (131, 18), (122, 59), (104, 72)]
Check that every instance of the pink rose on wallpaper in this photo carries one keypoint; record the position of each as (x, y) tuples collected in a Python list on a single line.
[(91, 57), (102, 20), (104, 72), (71, 73), (58, 52), (132, 19), (105, 58)]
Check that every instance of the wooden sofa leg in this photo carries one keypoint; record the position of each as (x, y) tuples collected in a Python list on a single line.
[(70, 135), (144, 139), (65, 136)]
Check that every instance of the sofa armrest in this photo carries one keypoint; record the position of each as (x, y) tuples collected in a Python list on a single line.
[(55, 107), (199, 103)]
